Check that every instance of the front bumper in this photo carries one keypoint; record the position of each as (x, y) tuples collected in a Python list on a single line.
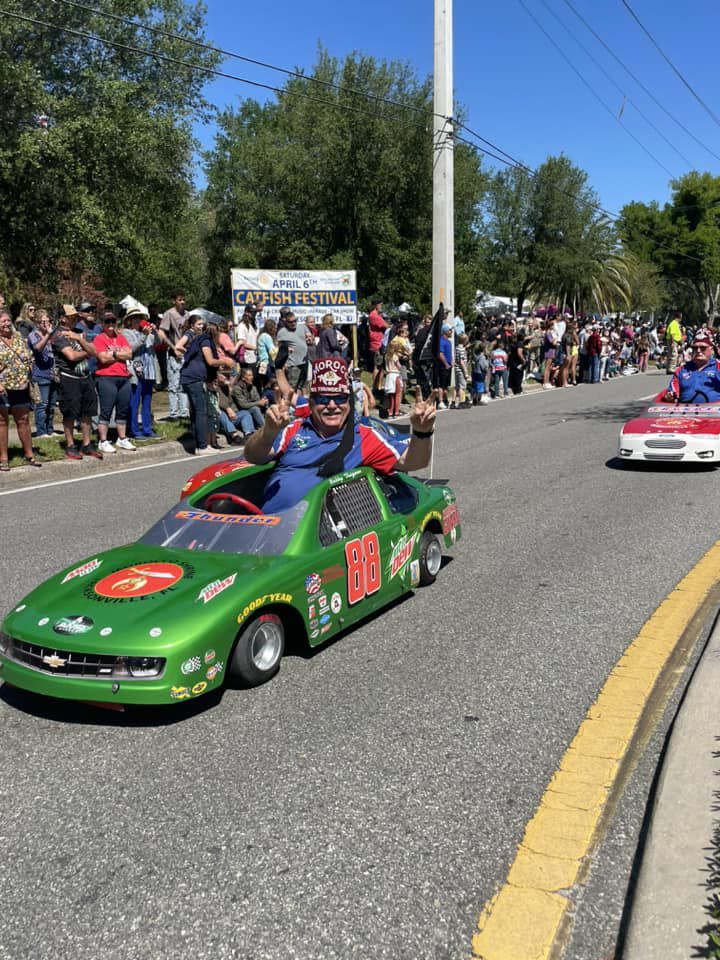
[(669, 448), (154, 691)]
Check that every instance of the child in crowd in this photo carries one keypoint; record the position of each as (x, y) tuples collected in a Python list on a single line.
[(393, 380), (362, 395), (500, 372), (480, 367), (461, 372)]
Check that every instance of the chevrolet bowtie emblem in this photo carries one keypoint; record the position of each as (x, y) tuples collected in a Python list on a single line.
[(54, 661)]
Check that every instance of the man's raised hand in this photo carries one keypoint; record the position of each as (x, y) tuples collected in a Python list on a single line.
[(277, 416), (423, 413)]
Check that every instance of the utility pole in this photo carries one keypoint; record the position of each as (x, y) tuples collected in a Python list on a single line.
[(443, 253)]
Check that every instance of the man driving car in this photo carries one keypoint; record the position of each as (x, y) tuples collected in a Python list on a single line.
[(330, 440), (698, 380)]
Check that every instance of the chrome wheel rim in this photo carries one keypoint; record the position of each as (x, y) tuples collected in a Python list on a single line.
[(266, 645), (433, 558)]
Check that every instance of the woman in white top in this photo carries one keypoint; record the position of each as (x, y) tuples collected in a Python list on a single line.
[(247, 339)]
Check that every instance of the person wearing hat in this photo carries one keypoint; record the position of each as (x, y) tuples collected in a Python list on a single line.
[(444, 364), (698, 380), (142, 337), (330, 439), (78, 396)]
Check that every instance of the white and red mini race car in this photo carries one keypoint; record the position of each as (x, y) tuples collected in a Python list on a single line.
[(673, 432)]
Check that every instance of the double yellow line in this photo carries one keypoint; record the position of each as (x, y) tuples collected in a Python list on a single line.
[(530, 916)]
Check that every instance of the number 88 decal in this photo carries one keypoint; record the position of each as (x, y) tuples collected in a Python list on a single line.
[(363, 562)]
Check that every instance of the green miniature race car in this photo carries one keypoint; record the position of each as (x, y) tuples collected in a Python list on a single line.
[(217, 587)]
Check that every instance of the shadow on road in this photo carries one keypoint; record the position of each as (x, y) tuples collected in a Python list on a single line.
[(78, 712), (605, 413), (657, 466)]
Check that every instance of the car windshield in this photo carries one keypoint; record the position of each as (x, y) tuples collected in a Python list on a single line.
[(187, 528)]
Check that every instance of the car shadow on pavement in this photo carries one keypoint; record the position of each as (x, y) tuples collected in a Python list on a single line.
[(90, 714), (606, 413), (657, 466)]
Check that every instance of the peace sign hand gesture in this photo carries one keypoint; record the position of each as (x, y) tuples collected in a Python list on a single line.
[(422, 415), (277, 417)]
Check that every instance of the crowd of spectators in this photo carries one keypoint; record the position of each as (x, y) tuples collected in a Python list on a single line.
[(103, 367)]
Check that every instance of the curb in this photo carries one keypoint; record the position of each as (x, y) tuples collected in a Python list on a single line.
[(666, 914), (530, 917), (57, 471)]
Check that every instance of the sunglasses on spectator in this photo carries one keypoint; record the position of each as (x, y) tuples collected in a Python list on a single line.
[(322, 399)]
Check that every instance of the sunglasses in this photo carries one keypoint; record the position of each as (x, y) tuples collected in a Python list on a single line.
[(322, 399)]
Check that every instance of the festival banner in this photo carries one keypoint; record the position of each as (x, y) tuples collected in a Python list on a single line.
[(308, 293)]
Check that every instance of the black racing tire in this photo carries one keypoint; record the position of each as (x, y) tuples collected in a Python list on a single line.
[(258, 650), (430, 558)]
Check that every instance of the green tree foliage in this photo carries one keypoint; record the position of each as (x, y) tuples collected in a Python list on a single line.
[(324, 178), (545, 238), (682, 239), (107, 187)]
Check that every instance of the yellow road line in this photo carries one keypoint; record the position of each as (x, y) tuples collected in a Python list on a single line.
[(527, 918)]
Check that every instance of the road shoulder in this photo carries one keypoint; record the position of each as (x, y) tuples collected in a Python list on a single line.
[(667, 913)]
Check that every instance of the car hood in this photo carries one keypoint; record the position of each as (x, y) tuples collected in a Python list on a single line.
[(139, 591), (681, 425)]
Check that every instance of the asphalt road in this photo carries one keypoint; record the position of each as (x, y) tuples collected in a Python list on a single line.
[(368, 800)]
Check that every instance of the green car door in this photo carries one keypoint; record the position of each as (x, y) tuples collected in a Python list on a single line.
[(356, 535)]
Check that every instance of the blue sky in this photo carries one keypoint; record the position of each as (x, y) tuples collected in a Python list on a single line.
[(516, 88)]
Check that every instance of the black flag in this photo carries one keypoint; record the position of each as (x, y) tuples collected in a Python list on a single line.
[(431, 346)]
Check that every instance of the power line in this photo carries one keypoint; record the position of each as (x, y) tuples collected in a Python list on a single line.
[(592, 89), (128, 21), (639, 82), (209, 71), (669, 62), (534, 174), (615, 83), (496, 153)]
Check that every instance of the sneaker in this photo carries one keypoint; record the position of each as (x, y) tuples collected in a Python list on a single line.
[(203, 450), (106, 447), (484, 400), (147, 436), (72, 453), (124, 444), (237, 439), (548, 386), (91, 451), (441, 406)]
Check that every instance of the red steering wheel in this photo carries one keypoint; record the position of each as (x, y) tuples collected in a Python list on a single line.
[(233, 498)]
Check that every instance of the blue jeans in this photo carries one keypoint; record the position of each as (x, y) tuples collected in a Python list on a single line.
[(141, 400), (249, 420), (593, 369), (226, 424), (177, 401), (496, 378), (45, 409), (198, 411)]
